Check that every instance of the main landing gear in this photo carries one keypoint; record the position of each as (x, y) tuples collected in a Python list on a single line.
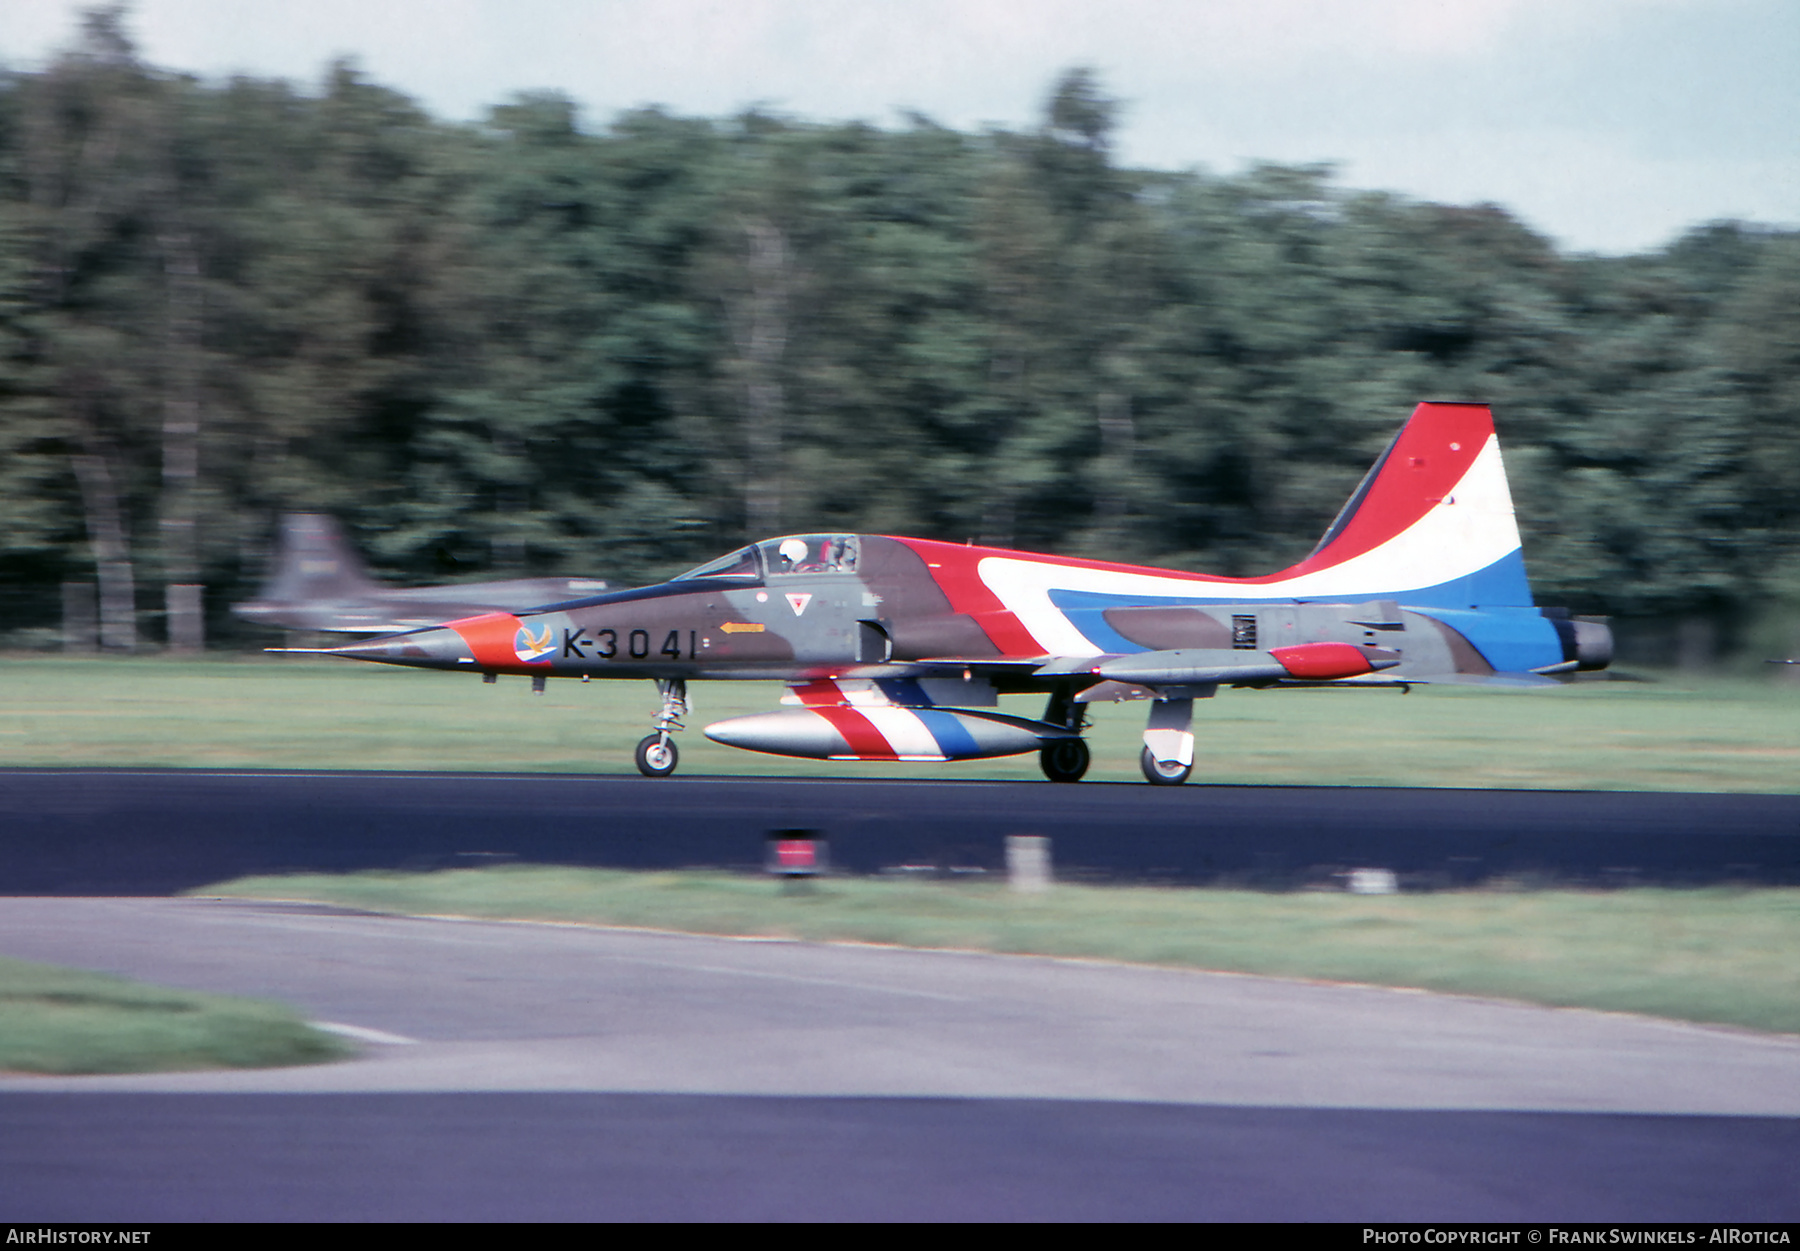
[(1164, 772), (656, 754), (1168, 755), (1064, 759)]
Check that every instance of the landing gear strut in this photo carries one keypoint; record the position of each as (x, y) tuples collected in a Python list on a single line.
[(1064, 759), (656, 754)]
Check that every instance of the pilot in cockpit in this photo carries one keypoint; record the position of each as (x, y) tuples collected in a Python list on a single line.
[(793, 554), (818, 553)]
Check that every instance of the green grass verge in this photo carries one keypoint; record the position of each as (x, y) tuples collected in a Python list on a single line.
[(1679, 734), (56, 1020), (1722, 956)]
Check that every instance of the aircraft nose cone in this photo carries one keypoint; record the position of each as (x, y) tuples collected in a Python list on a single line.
[(435, 648)]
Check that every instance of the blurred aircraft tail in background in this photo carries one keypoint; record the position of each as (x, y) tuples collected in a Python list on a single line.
[(314, 561), (318, 582)]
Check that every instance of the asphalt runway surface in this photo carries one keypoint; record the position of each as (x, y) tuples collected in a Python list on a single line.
[(89, 832), (513, 1072)]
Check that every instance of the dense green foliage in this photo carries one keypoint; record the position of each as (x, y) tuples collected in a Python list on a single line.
[(535, 345)]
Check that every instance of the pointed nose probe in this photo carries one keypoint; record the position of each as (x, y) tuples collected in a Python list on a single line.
[(435, 648)]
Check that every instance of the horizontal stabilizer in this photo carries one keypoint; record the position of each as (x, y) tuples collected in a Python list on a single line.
[(1516, 680)]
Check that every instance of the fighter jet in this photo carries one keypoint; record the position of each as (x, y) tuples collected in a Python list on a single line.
[(318, 583), (898, 649)]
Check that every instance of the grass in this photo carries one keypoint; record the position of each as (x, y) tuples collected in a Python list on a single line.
[(56, 1020), (1680, 734), (1723, 956)]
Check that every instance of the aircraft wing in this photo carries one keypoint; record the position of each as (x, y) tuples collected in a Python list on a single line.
[(1176, 667), (1207, 666)]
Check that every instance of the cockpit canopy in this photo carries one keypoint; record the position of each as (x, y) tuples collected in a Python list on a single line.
[(794, 554), (742, 563)]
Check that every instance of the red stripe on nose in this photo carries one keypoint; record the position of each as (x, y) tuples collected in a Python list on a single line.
[(490, 639)]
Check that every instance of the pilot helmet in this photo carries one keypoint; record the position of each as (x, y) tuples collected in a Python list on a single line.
[(793, 551)]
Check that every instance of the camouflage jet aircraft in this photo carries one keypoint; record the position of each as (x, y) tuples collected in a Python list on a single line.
[(319, 584), (897, 649)]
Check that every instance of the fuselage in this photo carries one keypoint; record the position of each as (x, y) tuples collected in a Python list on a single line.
[(810, 606), (897, 649)]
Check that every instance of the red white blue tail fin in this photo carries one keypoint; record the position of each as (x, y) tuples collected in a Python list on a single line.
[(1432, 523), (1431, 527)]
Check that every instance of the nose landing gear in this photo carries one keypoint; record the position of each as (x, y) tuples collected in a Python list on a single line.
[(656, 756), (656, 753)]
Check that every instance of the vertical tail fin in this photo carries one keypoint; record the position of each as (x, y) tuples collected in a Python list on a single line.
[(314, 561), (1432, 521)]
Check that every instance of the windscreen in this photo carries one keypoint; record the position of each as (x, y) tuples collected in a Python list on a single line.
[(739, 564)]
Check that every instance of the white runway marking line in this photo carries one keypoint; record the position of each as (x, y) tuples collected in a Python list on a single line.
[(363, 1033)]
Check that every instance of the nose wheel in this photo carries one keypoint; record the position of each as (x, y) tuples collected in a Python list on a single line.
[(656, 756)]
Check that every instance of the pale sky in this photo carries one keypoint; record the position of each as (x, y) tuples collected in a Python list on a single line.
[(1610, 125)]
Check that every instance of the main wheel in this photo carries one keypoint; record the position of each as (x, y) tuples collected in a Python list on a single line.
[(1064, 759), (1164, 772), (656, 756)]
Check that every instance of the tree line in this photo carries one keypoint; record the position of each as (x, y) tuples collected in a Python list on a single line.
[(535, 345)]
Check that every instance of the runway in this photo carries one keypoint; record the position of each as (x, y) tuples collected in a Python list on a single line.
[(106, 832), (557, 1072), (515, 1072)]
